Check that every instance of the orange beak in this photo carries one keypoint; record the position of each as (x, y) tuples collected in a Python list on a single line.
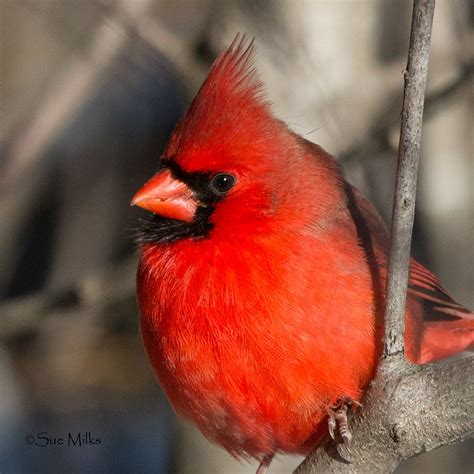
[(166, 196)]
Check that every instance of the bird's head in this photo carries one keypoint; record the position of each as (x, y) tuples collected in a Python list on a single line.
[(229, 164)]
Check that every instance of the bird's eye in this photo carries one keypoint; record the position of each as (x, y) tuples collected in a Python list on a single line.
[(221, 183)]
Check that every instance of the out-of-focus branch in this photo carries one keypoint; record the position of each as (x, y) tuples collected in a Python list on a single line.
[(70, 90), (76, 82), (408, 409), (407, 172), (378, 140), (175, 48), (107, 297)]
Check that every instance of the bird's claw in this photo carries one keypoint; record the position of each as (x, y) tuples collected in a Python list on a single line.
[(346, 439), (337, 422), (264, 464), (332, 425)]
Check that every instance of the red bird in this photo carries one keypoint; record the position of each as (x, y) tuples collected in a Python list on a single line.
[(262, 274)]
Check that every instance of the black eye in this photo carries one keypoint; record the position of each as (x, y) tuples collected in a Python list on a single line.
[(221, 183)]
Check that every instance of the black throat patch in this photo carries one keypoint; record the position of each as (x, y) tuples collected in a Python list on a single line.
[(158, 229)]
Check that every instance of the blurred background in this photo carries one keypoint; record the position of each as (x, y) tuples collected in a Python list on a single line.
[(90, 91)]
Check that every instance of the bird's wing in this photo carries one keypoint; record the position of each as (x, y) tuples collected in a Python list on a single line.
[(428, 290), (448, 327)]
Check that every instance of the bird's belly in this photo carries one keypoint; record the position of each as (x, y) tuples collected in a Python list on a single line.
[(247, 414), (256, 362)]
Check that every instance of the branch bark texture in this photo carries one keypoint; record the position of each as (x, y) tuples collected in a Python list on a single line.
[(408, 409), (407, 172)]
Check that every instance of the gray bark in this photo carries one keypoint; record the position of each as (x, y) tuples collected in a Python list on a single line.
[(408, 410), (405, 186)]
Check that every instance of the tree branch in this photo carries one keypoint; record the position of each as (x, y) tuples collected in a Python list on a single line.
[(70, 90), (107, 296), (80, 77), (408, 409), (405, 186)]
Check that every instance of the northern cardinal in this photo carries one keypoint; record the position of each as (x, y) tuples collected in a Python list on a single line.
[(262, 274)]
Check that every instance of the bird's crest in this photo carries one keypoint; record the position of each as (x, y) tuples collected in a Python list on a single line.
[(229, 103), (234, 69)]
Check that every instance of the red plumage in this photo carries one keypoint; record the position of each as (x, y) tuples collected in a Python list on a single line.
[(269, 308)]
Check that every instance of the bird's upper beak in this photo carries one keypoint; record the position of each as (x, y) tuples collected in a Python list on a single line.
[(166, 196)]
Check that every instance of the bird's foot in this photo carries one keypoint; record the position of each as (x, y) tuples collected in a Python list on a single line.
[(264, 464), (337, 422)]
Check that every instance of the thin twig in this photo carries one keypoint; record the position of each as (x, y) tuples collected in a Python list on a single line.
[(405, 187)]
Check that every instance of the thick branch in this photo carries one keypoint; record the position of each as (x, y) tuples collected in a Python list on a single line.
[(405, 186), (406, 412)]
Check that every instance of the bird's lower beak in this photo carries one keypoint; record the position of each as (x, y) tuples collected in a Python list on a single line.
[(166, 196)]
